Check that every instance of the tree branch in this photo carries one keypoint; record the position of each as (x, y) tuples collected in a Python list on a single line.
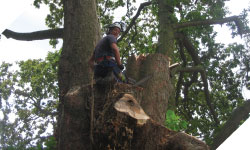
[(191, 50), (189, 47), (189, 69), (134, 19), (129, 43), (180, 79), (178, 89), (38, 35), (239, 114), (206, 22), (208, 99), (206, 91)]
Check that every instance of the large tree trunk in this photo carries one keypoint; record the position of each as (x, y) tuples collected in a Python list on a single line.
[(166, 38), (81, 32), (166, 31), (157, 88)]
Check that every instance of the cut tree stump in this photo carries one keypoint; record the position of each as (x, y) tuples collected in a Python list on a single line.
[(121, 124)]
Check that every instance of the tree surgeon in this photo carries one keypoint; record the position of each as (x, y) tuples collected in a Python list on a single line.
[(105, 60)]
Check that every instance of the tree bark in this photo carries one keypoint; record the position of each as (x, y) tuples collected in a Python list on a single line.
[(157, 88), (166, 32), (81, 32)]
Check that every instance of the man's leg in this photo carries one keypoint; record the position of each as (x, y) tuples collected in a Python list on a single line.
[(103, 75)]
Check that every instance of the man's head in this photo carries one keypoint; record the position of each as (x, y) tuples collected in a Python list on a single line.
[(116, 28), (115, 31)]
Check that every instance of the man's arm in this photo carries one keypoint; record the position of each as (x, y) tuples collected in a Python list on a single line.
[(117, 53)]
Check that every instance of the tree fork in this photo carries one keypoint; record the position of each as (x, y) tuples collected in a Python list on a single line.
[(189, 47)]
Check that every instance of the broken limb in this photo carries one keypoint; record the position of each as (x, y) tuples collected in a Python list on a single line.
[(37, 35)]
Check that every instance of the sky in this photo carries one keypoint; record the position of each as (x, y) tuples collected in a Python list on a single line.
[(28, 19), (23, 17)]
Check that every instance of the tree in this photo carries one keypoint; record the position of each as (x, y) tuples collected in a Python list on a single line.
[(178, 38), (32, 95)]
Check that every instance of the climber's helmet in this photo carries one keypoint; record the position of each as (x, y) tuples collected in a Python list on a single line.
[(119, 25)]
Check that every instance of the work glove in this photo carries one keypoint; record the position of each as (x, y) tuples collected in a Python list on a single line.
[(121, 67)]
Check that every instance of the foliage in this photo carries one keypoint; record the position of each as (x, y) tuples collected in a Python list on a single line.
[(55, 18), (174, 122), (7, 79), (29, 104), (49, 144)]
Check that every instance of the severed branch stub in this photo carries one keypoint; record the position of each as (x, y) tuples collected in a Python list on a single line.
[(128, 105), (124, 125)]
